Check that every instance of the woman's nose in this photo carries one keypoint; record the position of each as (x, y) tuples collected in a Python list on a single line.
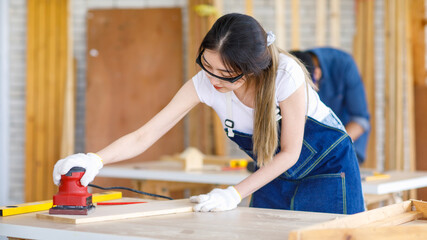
[(214, 80)]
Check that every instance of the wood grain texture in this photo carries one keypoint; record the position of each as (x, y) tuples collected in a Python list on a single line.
[(135, 67), (417, 25), (365, 58), (421, 133), (295, 25), (241, 223), (415, 232), (205, 131), (321, 22), (381, 223), (108, 213), (335, 22), (48, 51)]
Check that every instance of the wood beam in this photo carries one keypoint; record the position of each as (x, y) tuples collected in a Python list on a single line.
[(295, 25)]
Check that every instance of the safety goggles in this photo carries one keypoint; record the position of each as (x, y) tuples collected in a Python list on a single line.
[(231, 80)]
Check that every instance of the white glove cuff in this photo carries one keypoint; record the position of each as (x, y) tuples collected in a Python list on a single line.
[(97, 159), (235, 194)]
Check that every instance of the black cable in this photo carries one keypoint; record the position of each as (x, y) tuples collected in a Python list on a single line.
[(129, 189)]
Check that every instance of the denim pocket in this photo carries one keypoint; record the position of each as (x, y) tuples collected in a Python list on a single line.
[(321, 193), (305, 162)]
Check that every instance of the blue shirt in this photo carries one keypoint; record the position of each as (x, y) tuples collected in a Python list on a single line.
[(341, 88)]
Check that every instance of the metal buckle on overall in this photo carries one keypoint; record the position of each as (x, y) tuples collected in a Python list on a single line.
[(230, 125), (278, 115)]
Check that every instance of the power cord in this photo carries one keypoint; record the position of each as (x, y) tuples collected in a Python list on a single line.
[(129, 189)]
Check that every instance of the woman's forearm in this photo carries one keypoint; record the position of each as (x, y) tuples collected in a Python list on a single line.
[(126, 147), (280, 163)]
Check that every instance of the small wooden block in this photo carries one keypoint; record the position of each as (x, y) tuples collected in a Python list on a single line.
[(193, 159), (106, 213)]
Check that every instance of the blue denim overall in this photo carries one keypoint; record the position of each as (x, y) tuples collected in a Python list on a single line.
[(325, 178)]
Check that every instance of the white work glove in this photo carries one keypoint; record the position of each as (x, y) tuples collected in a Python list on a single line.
[(91, 162), (217, 200)]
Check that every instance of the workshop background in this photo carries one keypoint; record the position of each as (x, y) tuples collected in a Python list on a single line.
[(387, 42)]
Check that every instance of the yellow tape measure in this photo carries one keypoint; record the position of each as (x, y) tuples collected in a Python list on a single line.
[(46, 205)]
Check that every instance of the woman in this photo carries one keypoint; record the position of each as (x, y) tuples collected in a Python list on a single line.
[(268, 106)]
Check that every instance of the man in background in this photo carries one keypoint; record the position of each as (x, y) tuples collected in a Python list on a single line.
[(340, 86)]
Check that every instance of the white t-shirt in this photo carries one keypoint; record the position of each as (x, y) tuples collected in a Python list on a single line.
[(289, 77)]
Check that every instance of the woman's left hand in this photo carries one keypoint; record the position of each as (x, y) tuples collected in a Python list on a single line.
[(217, 200)]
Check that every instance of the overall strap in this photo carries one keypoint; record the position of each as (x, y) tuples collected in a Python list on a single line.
[(229, 123)]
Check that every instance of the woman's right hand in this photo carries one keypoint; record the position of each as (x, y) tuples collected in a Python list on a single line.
[(91, 162)]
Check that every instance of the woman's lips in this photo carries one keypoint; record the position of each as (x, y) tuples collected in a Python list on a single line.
[(216, 87)]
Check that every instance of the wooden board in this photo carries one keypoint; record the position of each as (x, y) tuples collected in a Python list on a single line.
[(421, 133), (107, 213), (205, 130), (135, 67), (49, 57), (242, 223), (381, 223)]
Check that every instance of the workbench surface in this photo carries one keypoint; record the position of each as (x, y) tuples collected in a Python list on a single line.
[(172, 171), (241, 223)]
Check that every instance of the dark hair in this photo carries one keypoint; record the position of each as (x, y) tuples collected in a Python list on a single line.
[(306, 59), (241, 42)]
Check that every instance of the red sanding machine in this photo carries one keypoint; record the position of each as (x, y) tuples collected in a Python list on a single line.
[(72, 197)]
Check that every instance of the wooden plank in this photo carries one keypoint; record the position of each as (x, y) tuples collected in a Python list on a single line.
[(390, 84), (335, 21), (51, 91), (108, 213), (320, 22), (249, 7), (365, 218), (397, 219), (219, 5), (41, 86), (280, 23), (365, 59), (381, 233), (246, 223), (295, 25), (46, 55), (420, 206), (399, 18), (421, 133), (68, 116), (369, 82), (409, 91), (30, 100), (417, 34), (379, 223), (417, 25), (201, 121), (359, 36)]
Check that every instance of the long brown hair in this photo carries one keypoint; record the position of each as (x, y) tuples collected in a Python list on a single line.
[(242, 44)]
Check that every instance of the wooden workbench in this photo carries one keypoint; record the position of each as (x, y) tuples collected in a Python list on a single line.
[(241, 223), (172, 171)]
